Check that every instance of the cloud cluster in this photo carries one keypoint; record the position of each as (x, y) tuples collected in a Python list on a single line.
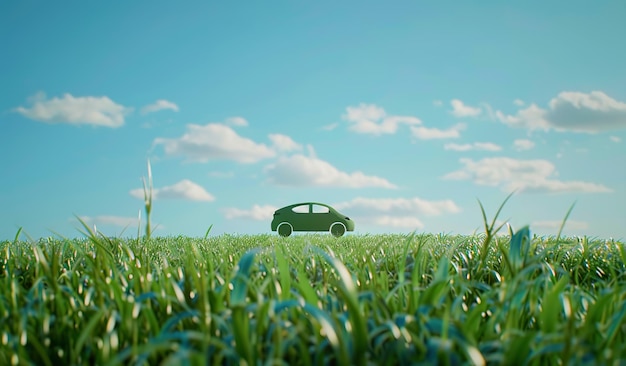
[(459, 109), (395, 212), (568, 111), (425, 133), (86, 110), (306, 171), (373, 120), (159, 105), (521, 175), (284, 143), (184, 190), (214, 141), (571, 111), (95, 111)]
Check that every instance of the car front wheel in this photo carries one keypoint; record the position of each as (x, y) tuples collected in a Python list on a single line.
[(284, 229), (337, 229)]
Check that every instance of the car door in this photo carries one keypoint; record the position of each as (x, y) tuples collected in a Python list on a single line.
[(321, 218), (300, 217)]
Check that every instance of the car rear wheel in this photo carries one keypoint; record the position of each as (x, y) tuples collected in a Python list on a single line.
[(337, 229), (284, 229)]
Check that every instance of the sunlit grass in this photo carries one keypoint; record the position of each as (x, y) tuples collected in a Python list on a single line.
[(313, 300)]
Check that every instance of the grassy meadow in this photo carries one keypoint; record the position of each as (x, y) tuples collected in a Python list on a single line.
[(484, 299), (313, 300)]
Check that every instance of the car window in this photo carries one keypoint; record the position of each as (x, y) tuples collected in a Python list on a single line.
[(301, 209), (320, 209)]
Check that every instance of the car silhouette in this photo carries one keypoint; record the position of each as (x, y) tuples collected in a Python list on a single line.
[(310, 216)]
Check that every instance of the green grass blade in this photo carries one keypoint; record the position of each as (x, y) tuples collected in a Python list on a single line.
[(551, 306), (241, 278), (519, 248), (349, 291), (283, 273), (206, 235), (17, 236), (238, 295), (569, 211)]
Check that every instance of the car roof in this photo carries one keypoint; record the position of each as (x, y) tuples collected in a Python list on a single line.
[(306, 203)]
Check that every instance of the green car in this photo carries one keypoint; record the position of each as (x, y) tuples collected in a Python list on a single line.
[(310, 216)]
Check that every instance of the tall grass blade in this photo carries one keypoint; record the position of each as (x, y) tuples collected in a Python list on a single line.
[(283, 273), (519, 249), (206, 234), (334, 337), (569, 211), (551, 306), (349, 291), (238, 297), (17, 236), (147, 194)]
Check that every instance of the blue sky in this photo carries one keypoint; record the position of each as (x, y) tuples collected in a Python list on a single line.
[(401, 114)]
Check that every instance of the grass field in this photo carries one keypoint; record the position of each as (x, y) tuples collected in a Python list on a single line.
[(313, 300)]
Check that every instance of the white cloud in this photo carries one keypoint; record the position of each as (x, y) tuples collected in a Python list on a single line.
[(483, 146), (523, 144), (284, 143), (395, 212), (95, 111), (461, 110), (437, 103), (615, 139), (159, 105), (300, 170), (424, 133), (364, 111), (371, 119), (519, 102), (257, 212), (522, 175), (236, 121), (215, 142), (120, 221), (586, 112), (532, 118), (572, 111), (185, 189)]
